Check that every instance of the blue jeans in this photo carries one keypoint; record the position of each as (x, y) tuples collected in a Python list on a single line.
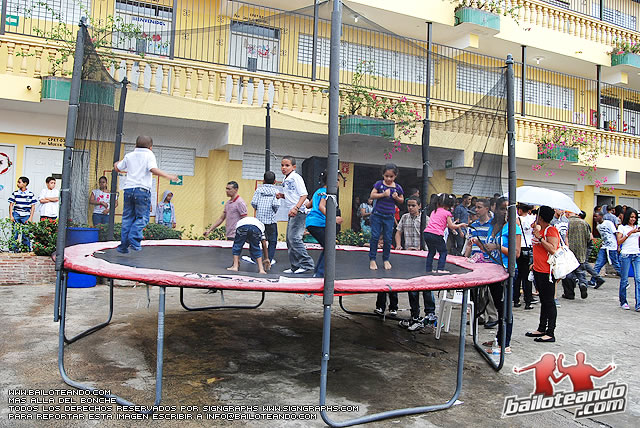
[(271, 233), (626, 260), (298, 256), (602, 260), (135, 216), (435, 243), (100, 219), (20, 220), (414, 302), (318, 233), (251, 233), (381, 224)]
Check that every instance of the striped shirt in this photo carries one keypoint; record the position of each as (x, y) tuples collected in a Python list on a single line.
[(479, 230), (23, 201)]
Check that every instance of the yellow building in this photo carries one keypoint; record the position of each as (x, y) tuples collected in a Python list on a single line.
[(210, 67)]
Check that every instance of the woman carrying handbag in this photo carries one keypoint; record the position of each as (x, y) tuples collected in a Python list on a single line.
[(546, 240)]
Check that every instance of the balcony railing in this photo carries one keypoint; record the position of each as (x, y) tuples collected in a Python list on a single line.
[(272, 47), (623, 13)]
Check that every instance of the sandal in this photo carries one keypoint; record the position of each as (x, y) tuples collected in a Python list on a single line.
[(488, 343)]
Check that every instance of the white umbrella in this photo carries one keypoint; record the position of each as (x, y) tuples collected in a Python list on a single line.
[(532, 195)]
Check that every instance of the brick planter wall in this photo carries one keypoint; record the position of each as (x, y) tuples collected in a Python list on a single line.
[(26, 268)]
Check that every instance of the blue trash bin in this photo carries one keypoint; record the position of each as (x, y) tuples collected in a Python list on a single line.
[(81, 235)]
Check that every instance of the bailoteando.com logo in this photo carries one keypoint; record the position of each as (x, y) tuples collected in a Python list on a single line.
[(588, 399)]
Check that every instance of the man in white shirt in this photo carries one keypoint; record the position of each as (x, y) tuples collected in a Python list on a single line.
[(609, 248), (295, 195), (140, 166), (48, 199)]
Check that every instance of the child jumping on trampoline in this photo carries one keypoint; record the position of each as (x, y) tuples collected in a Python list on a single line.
[(250, 229), (139, 165), (439, 221), (385, 193)]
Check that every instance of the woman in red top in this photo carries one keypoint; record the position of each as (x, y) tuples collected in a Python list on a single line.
[(546, 240)]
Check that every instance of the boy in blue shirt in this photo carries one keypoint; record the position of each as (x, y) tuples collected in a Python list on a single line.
[(140, 165), (22, 205)]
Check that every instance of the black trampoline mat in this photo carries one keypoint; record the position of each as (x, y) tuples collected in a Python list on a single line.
[(216, 260)]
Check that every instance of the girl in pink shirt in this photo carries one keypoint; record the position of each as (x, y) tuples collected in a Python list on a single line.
[(439, 220)]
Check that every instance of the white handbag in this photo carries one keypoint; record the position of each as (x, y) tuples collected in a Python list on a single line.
[(562, 262)]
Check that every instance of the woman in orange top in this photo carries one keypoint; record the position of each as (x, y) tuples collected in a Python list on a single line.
[(545, 241)]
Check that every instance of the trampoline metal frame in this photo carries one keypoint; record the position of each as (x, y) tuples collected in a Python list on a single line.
[(326, 331)]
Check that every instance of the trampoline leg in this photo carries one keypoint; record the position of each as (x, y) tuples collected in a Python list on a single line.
[(205, 308), (369, 314), (326, 328), (99, 326), (56, 300), (159, 355), (496, 366)]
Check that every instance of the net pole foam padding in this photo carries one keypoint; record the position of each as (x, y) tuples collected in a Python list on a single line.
[(81, 258)]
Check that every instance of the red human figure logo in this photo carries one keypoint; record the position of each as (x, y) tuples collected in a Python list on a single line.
[(544, 372), (581, 373)]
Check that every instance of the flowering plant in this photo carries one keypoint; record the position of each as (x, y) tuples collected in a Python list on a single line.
[(493, 6), (360, 99), (558, 142), (621, 47)]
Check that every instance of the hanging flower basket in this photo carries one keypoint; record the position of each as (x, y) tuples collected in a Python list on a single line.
[(365, 125), (472, 15), (625, 59), (563, 153)]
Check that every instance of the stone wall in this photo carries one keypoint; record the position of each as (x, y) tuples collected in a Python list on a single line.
[(26, 268)]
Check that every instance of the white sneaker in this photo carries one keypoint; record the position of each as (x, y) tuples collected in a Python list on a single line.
[(273, 262), (625, 306), (302, 270), (287, 271), (247, 259)]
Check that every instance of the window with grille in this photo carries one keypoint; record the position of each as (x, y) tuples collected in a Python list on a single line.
[(385, 62), (70, 11), (175, 160)]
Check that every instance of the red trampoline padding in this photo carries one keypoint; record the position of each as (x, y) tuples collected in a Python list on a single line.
[(81, 258)]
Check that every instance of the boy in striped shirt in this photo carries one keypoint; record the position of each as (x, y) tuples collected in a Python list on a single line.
[(22, 205)]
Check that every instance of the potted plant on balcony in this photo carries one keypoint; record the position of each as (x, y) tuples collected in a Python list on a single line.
[(359, 104), (625, 53), (365, 113), (483, 13), (562, 144)]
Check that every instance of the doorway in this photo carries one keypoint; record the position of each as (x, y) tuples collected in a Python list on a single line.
[(7, 177), (40, 163)]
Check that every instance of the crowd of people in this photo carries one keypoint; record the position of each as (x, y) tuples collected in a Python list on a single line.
[(468, 226)]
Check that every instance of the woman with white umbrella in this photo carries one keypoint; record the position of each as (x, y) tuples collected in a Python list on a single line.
[(546, 241)]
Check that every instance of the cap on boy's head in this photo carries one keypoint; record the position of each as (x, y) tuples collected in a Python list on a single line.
[(144, 142), (269, 177), (290, 159), (25, 180)]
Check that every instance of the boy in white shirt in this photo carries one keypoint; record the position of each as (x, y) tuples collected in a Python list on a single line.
[(250, 229), (295, 196), (139, 165), (48, 199)]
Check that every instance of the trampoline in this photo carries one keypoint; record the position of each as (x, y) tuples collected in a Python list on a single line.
[(202, 265)]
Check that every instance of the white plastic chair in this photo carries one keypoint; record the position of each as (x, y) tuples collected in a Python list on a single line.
[(445, 305)]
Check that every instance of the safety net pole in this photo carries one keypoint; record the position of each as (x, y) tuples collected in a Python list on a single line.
[(426, 137), (332, 190), (267, 140), (116, 158), (69, 144), (511, 147)]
